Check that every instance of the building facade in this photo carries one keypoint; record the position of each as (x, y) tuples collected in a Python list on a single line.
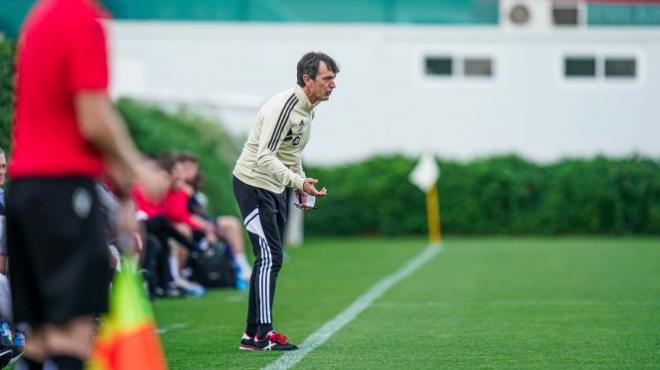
[(464, 78)]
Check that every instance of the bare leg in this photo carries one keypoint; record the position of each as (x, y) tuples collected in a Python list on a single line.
[(178, 257), (3, 264), (231, 229), (35, 346), (72, 339), (179, 251), (182, 254)]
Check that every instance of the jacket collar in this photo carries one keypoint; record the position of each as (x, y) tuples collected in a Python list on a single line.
[(303, 99)]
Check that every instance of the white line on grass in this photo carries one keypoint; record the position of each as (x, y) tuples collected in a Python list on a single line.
[(512, 303), (167, 328), (319, 337)]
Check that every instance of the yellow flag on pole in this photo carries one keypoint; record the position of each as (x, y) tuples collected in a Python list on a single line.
[(425, 176)]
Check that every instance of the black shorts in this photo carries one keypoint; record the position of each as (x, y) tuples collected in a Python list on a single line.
[(58, 253)]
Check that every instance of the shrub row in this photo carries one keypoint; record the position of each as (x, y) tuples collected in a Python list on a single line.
[(7, 49), (504, 194)]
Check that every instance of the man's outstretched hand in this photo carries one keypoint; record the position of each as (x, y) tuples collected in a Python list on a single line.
[(309, 187)]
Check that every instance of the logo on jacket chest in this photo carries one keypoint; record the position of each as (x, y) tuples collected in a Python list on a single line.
[(295, 133)]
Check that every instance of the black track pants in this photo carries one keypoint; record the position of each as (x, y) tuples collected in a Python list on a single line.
[(264, 217)]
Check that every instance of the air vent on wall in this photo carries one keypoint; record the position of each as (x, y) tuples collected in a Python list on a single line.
[(526, 15), (519, 14)]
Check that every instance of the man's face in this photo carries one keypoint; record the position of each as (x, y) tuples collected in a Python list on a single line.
[(177, 174), (165, 176), (320, 88), (3, 169), (190, 170)]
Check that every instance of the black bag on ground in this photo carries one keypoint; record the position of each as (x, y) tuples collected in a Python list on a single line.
[(213, 269)]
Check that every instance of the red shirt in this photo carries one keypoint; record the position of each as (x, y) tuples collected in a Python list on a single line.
[(61, 52), (144, 203), (175, 208)]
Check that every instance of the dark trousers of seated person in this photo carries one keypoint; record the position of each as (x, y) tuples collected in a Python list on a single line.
[(151, 262), (162, 229)]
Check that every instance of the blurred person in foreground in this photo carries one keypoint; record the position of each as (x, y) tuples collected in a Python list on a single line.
[(270, 162), (66, 134)]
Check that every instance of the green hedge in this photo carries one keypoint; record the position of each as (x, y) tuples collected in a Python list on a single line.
[(505, 195), (7, 49), (155, 130)]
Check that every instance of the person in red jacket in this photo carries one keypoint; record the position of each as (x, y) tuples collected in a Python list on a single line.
[(227, 228), (163, 266), (175, 209)]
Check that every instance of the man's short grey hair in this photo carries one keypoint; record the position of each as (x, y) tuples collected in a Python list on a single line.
[(309, 65)]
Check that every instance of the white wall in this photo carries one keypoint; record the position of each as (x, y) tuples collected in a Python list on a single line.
[(385, 103)]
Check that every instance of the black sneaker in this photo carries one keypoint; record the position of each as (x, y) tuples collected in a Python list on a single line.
[(171, 292), (247, 343), (273, 342)]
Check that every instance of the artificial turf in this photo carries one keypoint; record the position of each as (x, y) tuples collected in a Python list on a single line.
[(481, 303)]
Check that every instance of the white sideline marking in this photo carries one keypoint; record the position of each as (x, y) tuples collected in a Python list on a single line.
[(167, 328), (287, 360), (512, 303)]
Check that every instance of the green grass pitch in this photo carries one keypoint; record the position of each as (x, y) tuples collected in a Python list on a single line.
[(502, 303)]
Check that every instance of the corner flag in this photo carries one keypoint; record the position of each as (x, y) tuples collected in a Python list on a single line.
[(426, 173), (127, 338), (425, 176)]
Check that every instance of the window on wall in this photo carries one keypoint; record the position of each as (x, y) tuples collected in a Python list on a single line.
[(620, 67), (478, 67), (457, 66), (602, 67), (439, 66), (565, 13), (580, 67)]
